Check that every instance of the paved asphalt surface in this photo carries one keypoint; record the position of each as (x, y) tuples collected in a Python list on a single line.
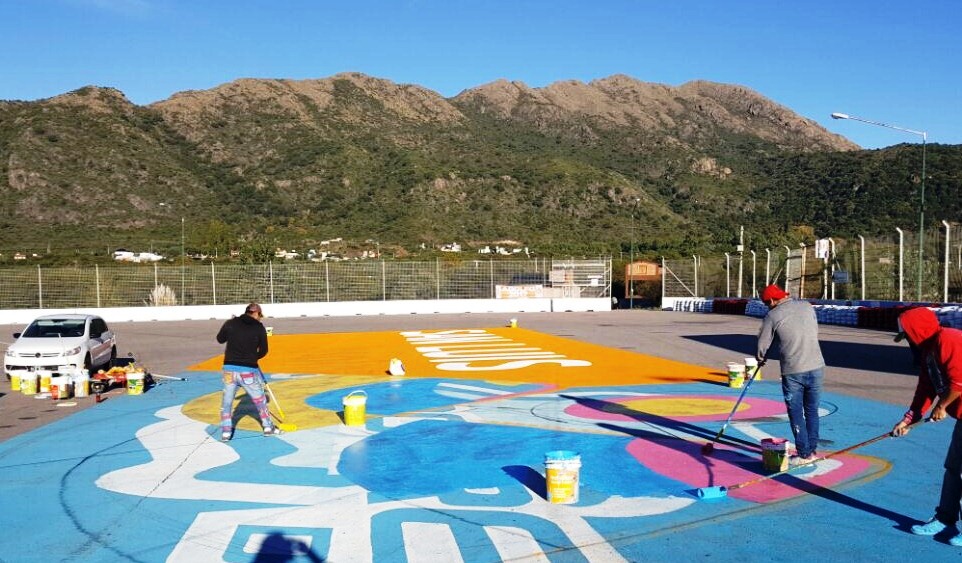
[(861, 363)]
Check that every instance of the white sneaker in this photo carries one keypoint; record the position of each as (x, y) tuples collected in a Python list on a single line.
[(225, 436), (796, 461)]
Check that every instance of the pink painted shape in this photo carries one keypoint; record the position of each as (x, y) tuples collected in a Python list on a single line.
[(607, 408), (683, 460)]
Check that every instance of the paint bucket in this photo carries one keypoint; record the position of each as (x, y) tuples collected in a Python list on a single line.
[(14, 381), (81, 384), (513, 323), (750, 365), (774, 454), (561, 470), (60, 387), (45, 382), (736, 375), (135, 383), (354, 405), (269, 330), (395, 367), (28, 383)]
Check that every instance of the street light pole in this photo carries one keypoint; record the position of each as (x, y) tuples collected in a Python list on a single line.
[(924, 136)]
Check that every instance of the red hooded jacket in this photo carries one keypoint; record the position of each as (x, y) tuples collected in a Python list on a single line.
[(941, 360)]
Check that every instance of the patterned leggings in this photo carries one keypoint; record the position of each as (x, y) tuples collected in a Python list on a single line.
[(252, 384)]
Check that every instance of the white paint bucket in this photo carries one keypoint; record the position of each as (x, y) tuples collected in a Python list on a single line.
[(81, 384), (60, 387), (736, 375), (750, 367)]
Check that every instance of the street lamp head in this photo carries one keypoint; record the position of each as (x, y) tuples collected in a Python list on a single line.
[(838, 115)]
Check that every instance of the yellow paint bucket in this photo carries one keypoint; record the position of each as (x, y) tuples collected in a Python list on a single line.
[(28, 383), (562, 469), (354, 406), (14, 381), (45, 382), (135, 383), (750, 366), (775, 454), (736, 375), (81, 384)]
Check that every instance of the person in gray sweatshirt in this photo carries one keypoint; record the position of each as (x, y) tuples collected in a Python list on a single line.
[(791, 325)]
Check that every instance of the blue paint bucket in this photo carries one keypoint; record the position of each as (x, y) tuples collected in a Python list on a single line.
[(562, 469)]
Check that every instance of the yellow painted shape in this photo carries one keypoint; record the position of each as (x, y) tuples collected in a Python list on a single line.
[(673, 407), (290, 394), (369, 353)]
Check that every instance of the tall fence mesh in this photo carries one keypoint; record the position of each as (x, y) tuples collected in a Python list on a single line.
[(885, 268), (130, 285)]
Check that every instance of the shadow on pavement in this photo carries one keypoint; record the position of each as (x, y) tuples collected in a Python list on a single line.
[(873, 357)]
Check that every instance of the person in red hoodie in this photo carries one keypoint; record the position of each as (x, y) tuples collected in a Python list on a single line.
[(940, 382)]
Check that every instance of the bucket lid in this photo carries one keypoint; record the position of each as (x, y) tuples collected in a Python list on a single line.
[(562, 455), (355, 398)]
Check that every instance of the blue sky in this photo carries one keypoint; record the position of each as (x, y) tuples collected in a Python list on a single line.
[(894, 62)]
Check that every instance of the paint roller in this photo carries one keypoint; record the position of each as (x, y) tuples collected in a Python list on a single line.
[(285, 426), (710, 493), (708, 448)]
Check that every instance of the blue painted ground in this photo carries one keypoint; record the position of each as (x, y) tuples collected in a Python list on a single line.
[(464, 476)]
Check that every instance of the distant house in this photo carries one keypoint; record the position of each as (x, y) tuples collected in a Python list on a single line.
[(136, 257), (453, 247)]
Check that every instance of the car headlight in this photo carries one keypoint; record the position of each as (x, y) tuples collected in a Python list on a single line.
[(72, 351)]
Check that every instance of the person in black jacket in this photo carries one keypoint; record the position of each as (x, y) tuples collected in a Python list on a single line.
[(246, 340)]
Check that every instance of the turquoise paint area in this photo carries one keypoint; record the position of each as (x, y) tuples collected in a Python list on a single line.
[(483, 472), (406, 395), (449, 457)]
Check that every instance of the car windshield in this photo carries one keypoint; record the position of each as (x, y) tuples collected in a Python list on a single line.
[(54, 328)]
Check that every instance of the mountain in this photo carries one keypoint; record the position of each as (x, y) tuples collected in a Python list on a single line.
[(569, 168)]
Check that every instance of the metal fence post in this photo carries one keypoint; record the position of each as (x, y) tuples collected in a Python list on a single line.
[(768, 260), (695, 262), (213, 283), (801, 283), (437, 276), (383, 282), (862, 264), (901, 262), (663, 280), (270, 274), (728, 276), (491, 273), (831, 244), (327, 280), (97, 276), (39, 287), (754, 290), (945, 280)]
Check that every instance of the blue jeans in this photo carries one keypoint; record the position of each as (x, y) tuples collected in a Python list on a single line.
[(949, 502), (802, 393), (251, 380)]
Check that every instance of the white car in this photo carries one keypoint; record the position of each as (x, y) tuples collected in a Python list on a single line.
[(56, 343)]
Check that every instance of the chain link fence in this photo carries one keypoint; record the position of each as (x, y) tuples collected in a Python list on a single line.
[(883, 268), (130, 285)]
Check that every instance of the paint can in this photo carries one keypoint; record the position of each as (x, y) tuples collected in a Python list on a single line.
[(14, 381), (774, 454), (60, 387), (561, 470), (750, 365), (269, 330), (81, 384), (135, 383), (355, 404), (28, 383), (44, 386), (395, 367), (513, 323), (736, 375)]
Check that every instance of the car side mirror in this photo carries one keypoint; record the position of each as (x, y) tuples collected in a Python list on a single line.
[(17, 334)]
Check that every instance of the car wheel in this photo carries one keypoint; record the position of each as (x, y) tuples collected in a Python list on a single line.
[(87, 367), (113, 356)]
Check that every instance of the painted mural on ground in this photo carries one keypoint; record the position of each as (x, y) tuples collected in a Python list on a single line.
[(444, 468)]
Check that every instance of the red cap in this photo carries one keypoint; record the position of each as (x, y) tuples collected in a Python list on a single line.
[(773, 293)]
